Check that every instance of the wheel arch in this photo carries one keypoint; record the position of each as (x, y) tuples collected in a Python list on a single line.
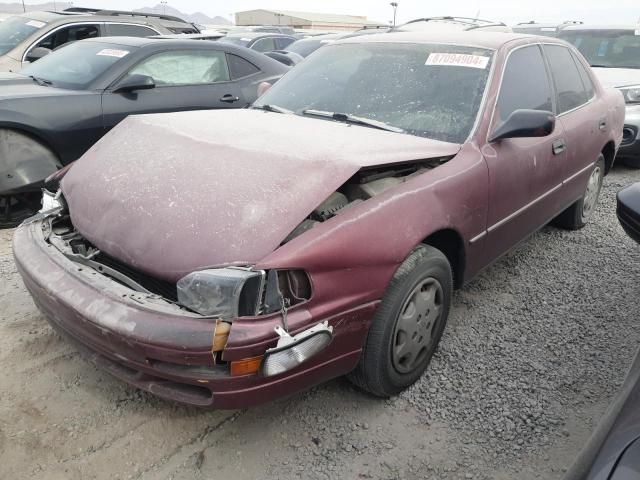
[(451, 244)]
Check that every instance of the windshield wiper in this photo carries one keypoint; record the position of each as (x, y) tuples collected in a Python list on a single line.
[(272, 108), (40, 81), (348, 118)]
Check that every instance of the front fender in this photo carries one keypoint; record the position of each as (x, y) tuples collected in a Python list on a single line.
[(24, 162)]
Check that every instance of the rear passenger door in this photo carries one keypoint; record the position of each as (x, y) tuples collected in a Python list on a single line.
[(525, 174), (185, 80), (581, 115)]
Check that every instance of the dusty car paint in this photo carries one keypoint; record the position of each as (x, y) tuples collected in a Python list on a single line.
[(471, 204), (256, 197)]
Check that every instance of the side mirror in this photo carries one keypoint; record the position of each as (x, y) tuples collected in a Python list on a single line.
[(263, 87), (525, 124), (135, 82), (37, 53)]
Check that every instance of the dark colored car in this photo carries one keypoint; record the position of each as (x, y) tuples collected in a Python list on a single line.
[(614, 54), (613, 451), (629, 210), (322, 232), (259, 41), (55, 109), (28, 37)]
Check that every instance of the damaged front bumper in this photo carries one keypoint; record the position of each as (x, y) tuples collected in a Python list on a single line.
[(158, 347)]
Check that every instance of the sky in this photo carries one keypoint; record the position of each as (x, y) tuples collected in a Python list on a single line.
[(513, 11)]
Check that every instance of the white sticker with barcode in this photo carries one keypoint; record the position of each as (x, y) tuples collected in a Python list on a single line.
[(36, 23), (112, 52), (245, 39), (458, 60), (637, 32)]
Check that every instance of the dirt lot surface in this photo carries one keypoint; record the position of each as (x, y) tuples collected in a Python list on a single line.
[(535, 348)]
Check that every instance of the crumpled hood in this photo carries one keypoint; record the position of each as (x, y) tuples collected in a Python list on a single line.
[(173, 193), (618, 77)]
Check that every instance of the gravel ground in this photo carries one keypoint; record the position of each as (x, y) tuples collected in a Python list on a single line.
[(535, 349)]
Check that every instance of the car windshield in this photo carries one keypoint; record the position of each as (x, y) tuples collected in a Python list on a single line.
[(76, 65), (15, 30), (606, 48), (432, 91), (240, 41)]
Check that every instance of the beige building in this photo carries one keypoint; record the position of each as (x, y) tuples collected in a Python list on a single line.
[(303, 20)]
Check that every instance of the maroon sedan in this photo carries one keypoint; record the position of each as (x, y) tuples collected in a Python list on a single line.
[(224, 259)]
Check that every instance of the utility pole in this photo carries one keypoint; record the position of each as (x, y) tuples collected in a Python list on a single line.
[(24, 9), (395, 7), (164, 6)]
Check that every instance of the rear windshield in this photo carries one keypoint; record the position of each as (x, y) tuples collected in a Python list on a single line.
[(15, 30), (606, 48), (432, 91), (77, 65)]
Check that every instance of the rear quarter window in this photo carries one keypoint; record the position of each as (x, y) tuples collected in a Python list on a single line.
[(240, 67)]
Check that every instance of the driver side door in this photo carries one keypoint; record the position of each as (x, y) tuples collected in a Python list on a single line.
[(525, 174), (196, 79)]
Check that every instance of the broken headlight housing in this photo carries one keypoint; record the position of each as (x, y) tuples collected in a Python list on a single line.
[(222, 292), (631, 94), (232, 292)]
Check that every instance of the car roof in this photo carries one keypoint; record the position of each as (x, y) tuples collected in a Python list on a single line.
[(473, 38), (112, 16)]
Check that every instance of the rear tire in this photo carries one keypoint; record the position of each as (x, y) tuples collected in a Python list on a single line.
[(577, 215), (408, 324)]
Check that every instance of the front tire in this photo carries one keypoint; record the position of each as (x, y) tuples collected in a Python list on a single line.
[(577, 215), (408, 324)]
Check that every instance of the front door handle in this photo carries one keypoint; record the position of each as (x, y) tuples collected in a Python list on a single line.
[(228, 98), (559, 146), (602, 125)]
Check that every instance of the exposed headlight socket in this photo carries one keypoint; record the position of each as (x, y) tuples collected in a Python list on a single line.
[(292, 351)]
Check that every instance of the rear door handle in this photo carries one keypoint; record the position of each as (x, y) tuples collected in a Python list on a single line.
[(602, 125), (228, 98), (559, 146)]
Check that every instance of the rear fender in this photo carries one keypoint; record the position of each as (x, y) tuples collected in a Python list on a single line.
[(24, 162)]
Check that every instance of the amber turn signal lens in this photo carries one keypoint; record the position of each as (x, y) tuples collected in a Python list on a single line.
[(248, 366)]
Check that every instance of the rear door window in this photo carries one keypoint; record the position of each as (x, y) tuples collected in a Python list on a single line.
[(283, 42), (586, 79), (570, 90), (525, 84), (125, 30), (264, 45)]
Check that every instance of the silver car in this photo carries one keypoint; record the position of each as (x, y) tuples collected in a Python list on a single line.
[(614, 54), (28, 37)]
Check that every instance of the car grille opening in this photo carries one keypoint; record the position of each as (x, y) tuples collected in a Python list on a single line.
[(165, 289)]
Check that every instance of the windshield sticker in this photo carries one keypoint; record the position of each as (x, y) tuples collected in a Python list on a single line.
[(637, 32), (110, 52), (458, 60), (547, 29), (36, 23), (327, 41), (245, 39)]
